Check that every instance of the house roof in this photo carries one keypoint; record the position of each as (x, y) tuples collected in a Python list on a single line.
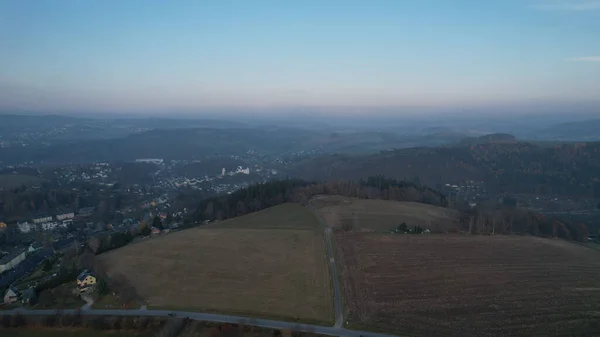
[(11, 255), (83, 275), (13, 290), (29, 293), (86, 209)]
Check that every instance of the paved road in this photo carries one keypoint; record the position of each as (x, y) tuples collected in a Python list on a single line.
[(265, 323), (337, 293), (89, 301)]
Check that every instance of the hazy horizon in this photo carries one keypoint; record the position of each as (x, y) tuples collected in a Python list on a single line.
[(334, 57)]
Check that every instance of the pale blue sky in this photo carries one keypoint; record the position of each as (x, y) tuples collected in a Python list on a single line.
[(117, 55)]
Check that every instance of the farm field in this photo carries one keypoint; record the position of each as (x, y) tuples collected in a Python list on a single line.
[(453, 285), (16, 180), (368, 214), (265, 267)]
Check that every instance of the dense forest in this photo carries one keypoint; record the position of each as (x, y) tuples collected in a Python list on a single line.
[(506, 167)]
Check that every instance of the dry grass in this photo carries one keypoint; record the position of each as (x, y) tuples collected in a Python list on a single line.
[(232, 268), (213, 329), (452, 285), (363, 214)]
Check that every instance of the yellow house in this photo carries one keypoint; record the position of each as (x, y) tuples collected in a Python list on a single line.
[(85, 279)]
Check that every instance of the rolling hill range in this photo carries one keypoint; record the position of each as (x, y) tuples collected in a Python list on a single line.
[(512, 167), (588, 130), (197, 143)]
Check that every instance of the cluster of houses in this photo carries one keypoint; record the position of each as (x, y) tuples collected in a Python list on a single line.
[(50, 223), (12, 295), (85, 282)]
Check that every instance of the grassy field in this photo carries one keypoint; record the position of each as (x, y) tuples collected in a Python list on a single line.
[(286, 216), (269, 264), (213, 329), (16, 180), (453, 285), (362, 214)]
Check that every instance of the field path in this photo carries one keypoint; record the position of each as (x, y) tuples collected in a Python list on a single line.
[(337, 293)]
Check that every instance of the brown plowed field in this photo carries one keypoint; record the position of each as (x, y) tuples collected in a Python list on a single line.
[(452, 285)]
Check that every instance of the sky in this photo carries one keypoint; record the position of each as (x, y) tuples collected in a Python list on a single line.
[(145, 55)]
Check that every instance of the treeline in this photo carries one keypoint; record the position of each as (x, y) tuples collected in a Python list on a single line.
[(503, 220), (79, 321), (258, 197)]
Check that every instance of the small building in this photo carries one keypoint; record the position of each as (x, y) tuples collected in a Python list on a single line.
[(65, 216), (11, 295), (34, 248), (155, 230), (2, 226), (42, 219), (24, 227), (12, 259), (29, 296), (85, 280), (86, 211), (49, 226)]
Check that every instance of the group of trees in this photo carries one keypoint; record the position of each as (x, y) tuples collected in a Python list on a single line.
[(77, 320), (404, 228), (104, 243), (265, 195), (506, 220)]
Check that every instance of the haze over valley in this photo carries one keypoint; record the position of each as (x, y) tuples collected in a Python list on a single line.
[(299, 168)]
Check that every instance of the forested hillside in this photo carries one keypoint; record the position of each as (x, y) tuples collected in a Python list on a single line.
[(567, 169), (490, 220), (261, 196)]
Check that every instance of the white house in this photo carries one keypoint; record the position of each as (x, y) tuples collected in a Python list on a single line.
[(49, 226), (11, 295), (24, 227), (65, 216), (42, 219), (12, 260)]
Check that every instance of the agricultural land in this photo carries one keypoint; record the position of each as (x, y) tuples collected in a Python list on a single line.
[(267, 264), (459, 285), (366, 214)]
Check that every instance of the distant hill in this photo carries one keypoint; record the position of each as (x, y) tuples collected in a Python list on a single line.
[(567, 169), (491, 138), (588, 130), (165, 143), (193, 143)]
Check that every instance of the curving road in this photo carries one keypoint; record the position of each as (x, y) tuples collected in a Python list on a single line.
[(265, 323)]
